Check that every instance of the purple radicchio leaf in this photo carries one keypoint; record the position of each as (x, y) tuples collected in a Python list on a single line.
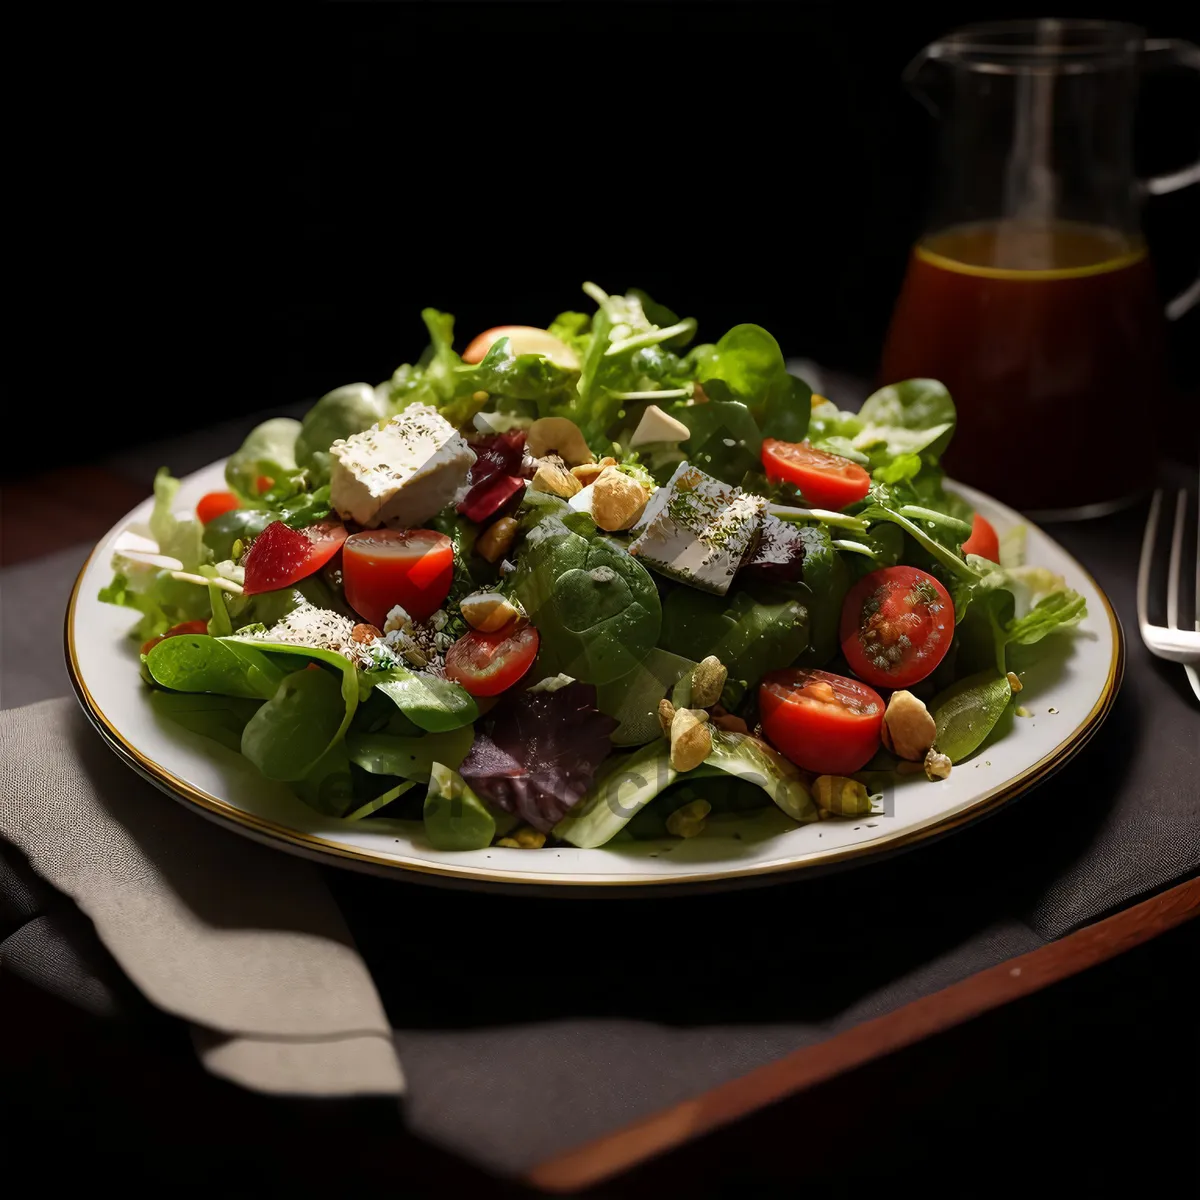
[(539, 751)]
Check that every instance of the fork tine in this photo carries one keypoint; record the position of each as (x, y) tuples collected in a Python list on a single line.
[(1144, 563), (1176, 554)]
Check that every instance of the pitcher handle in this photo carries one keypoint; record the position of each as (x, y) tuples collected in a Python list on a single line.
[(1184, 54)]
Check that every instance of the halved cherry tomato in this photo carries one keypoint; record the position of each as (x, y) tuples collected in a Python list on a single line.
[(897, 624), (487, 664), (280, 555), (823, 722), (523, 339), (214, 504), (385, 567), (264, 483), (175, 631), (984, 540), (826, 480)]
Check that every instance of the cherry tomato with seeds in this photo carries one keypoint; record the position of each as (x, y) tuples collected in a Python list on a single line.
[(825, 480), (984, 540), (214, 505), (486, 664), (897, 624), (175, 631), (823, 722)]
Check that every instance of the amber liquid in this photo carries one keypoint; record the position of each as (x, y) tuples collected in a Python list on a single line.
[(1050, 340)]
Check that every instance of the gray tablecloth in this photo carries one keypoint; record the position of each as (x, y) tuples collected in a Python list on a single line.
[(526, 1026)]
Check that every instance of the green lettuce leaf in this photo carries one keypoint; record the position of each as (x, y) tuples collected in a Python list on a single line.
[(269, 450)]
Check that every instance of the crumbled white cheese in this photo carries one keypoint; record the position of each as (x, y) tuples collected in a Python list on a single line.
[(698, 529), (323, 629), (401, 474), (397, 618)]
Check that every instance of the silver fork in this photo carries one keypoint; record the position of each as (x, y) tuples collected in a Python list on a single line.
[(1170, 641)]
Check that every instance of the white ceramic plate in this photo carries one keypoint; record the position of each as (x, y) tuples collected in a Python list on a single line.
[(1068, 692)]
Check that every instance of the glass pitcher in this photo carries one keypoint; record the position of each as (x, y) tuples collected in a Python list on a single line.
[(1029, 294)]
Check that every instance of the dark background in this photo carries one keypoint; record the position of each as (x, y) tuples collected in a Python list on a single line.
[(225, 212)]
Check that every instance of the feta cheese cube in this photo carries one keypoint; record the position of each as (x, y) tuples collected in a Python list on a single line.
[(401, 474), (698, 529)]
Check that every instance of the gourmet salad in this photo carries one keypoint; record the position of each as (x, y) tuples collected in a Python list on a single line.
[(587, 582)]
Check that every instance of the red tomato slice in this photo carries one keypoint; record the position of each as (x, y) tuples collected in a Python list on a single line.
[(175, 631), (897, 624), (385, 567), (826, 480), (264, 483), (984, 540), (214, 504), (823, 722), (487, 664), (280, 555)]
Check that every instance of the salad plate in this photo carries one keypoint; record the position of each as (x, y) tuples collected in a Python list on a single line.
[(1067, 695), (591, 606)]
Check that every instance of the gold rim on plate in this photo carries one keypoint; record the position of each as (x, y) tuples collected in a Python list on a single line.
[(322, 848)]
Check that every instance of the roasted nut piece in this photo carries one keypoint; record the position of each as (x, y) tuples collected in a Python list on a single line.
[(688, 820), (691, 740), (558, 435), (841, 796), (908, 729), (666, 714), (590, 472), (708, 681), (364, 633), (937, 766), (524, 838), (617, 501), (553, 477), (488, 611), (495, 541), (1015, 683)]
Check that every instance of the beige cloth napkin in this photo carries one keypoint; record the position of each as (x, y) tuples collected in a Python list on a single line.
[(244, 942)]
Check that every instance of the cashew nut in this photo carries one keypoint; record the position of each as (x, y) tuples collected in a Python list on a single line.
[(688, 820), (561, 436), (553, 477), (666, 714), (841, 796), (908, 729), (691, 739), (589, 472), (488, 611), (495, 541), (708, 681), (937, 765), (617, 501)]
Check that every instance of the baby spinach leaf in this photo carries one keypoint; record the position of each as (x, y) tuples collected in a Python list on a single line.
[(409, 758), (595, 607), (239, 524), (967, 711), (632, 699), (328, 785), (433, 704), (221, 718), (915, 416), (194, 662), (724, 441), (269, 450), (338, 414), (291, 732), (456, 818)]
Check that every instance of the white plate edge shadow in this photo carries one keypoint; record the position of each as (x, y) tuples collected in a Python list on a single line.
[(101, 663)]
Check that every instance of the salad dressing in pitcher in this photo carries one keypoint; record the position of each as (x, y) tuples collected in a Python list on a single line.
[(1049, 337), (1029, 295)]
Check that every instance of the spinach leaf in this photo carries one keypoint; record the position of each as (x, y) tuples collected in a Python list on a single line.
[(456, 818), (292, 731), (409, 757), (270, 450), (430, 703), (751, 632), (595, 607), (194, 662), (239, 524), (822, 590), (724, 440), (338, 414), (221, 718), (967, 712), (328, 785), (530, 377), (632, 699)]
